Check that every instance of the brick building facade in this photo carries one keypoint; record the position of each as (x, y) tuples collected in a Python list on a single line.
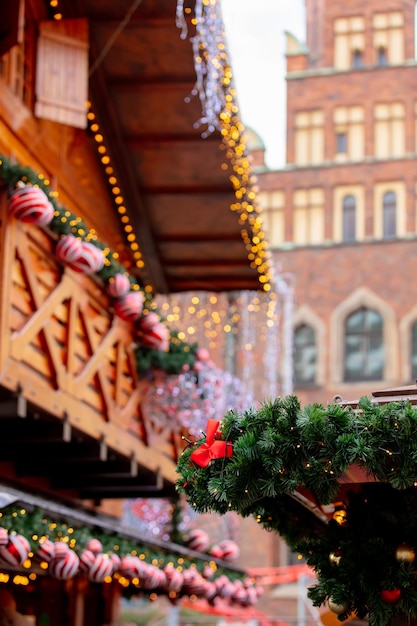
[(341, 216)]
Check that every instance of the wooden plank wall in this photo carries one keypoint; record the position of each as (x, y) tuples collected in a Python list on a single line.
[(66, 352)]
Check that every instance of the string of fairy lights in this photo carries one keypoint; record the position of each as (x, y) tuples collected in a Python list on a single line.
[(220, 111), (214, 86)]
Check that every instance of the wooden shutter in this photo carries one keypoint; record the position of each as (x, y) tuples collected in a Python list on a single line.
[(62, 72)]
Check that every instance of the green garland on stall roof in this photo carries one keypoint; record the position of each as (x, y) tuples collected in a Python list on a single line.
[(179, 355), (282, 448), (35, 525), (65, 222)]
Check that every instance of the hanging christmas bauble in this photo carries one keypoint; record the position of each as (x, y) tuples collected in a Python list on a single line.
[(94, 545), (405, 553), (16, 551), (174, 578), (101, 568), (337, 607), (129, 308), (4, 536), (216, 551), (65, 568), (148, 321), (391, 596), (89, 260), (118, 286), (230, 549), (130, 566), (30, 204), (68, 249), (198, 540), (87, 558), (335, 557), (156, 337), (61, 549), (45, 551)]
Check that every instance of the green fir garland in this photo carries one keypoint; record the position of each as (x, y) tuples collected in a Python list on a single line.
[(281, 450), (65, 222)]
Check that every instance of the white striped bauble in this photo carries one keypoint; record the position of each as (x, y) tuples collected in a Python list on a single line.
[(4, 536), (94, 545), (156, 337), (61, 549), (118, 286), (68, 249), (153, 578), (16, 551), (198, 540), (116, 560), (87, 559), (130, 566), (45, 551), (100, 569), (66, 567), (174, 579), (31, 205), (230, 550), (89, 260), (216, 551), (130, 307), (148, 321)]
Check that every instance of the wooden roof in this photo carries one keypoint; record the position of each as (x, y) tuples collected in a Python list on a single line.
[(176, 184), (384, 396)]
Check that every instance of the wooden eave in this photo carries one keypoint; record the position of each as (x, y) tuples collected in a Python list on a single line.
[(173, 181)]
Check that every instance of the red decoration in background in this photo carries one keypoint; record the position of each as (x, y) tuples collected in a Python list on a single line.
[(118, 286), (31, 205), (154, 334), (391, 596), (129, 308), (198, 540), (213, 448), (66, 567), (16, 551), (81, 256)]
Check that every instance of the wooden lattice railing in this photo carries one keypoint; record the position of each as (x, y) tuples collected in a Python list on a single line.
[(65, 352)]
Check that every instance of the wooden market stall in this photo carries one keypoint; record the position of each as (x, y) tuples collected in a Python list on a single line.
[(103, 109)]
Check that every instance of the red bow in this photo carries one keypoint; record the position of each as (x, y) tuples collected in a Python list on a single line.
[(213, 448)]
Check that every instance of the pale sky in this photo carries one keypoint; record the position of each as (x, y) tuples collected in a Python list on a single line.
[(255, 33)]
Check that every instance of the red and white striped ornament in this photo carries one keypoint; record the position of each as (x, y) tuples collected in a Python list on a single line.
[(174, 579), (87, 559), (116, 560), (94, 545), (210, 591), (68, 249), (16, 551), (153, 578), (198, 540), (130, 566), (216, 551), (4, 536), (130, 307), (61, 549), (31, 205), (148, 321), (90, 259), (230, 550), (118, 286), (65, 568), (101, 568), (45, 551), (156, 337)]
